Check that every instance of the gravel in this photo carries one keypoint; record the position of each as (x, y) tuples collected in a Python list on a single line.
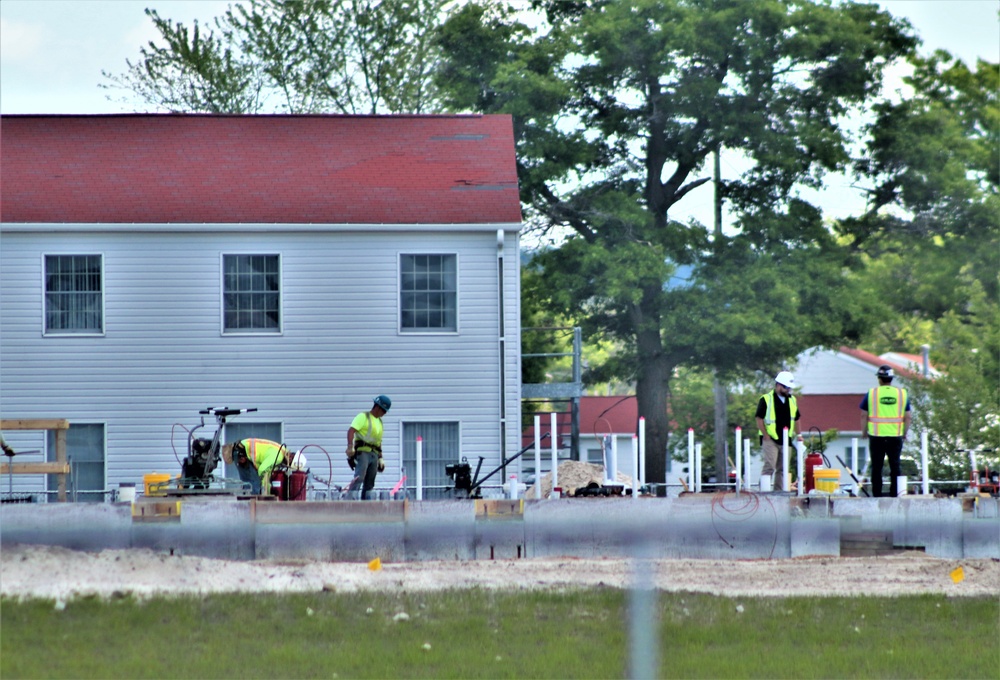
[(61, 574)]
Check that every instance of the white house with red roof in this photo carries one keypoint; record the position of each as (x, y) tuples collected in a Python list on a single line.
[(156, 265)]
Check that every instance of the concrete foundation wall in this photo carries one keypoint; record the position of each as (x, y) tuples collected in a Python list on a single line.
[(750, 526)]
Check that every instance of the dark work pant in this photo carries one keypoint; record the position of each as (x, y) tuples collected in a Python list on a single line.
[(882, 447)]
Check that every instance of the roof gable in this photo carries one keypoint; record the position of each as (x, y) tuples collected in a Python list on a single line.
[(164, 168)]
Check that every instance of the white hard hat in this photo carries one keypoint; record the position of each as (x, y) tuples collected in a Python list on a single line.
[(299, 461), (785, 378)]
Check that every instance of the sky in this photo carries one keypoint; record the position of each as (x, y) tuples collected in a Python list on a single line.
[(53, 52)]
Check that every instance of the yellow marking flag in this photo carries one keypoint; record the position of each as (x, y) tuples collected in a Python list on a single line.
[(958, 575), (376, 564)]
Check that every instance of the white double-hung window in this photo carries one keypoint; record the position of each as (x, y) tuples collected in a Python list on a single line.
[(74, 295), (428, 293), (251, 294)]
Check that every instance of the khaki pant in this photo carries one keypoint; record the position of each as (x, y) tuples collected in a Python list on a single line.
[(773, 464)]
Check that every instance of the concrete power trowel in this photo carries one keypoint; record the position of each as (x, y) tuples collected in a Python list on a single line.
[(198, 467)]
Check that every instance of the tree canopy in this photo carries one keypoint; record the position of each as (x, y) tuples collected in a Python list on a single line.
[(619, 106), (294, 56)]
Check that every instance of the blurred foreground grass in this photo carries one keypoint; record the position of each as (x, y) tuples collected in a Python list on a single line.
[(489, 634)]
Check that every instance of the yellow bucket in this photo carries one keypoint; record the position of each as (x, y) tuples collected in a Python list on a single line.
[(155, 483), (827, 481)]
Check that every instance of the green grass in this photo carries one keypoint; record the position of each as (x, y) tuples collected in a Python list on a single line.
[(485, 634)]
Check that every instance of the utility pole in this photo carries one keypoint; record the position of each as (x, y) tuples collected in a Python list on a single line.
[(718, 389)]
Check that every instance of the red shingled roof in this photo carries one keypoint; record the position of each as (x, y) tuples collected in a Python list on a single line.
[(282, 169), (876, 361)]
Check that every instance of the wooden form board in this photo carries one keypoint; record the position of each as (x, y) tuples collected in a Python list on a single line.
[(60, 467)]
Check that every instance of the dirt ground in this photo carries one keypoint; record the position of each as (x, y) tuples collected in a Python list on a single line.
[(61, 574)]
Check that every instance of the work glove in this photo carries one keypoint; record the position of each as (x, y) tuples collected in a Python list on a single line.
[(352, 463), (381, 464), (350, 457)]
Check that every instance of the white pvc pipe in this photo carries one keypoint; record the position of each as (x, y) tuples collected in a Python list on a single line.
[(611, 474), (691, 458), (800, 447), (420, 468), (784, 460), (746, 462), (925, 470), (555, 452), (854, 456), (635, 467), (538, 456), (642, 451), (697, 467), (739, 457)]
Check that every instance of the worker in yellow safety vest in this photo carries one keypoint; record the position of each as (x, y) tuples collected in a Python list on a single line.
[(256, 459), (885, 421), (364, 445), (776, 411)]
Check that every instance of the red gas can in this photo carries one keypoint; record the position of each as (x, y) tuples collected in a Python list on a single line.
[(813, 460), (297, 485), (279, 484)]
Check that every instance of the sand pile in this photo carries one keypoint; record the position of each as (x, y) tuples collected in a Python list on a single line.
[(574, 475)]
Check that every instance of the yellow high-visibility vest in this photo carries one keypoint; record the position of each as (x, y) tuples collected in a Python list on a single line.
[(886, 410), (771, 424), (264, 455), (368, 432)]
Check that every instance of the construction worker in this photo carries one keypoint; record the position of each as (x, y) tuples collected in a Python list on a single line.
[(776, 411), (885, 422), (364, 445), (256, 459)]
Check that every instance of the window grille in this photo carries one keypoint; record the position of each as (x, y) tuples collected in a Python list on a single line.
[(428, 293), (251, 288), (73, 294), (440, 448)]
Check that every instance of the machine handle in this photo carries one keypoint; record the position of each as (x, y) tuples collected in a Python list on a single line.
[(225, 411)]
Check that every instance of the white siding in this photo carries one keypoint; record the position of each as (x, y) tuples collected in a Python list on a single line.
[(163, 356), (831, 372)]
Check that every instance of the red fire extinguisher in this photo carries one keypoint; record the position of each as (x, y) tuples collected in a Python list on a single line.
[(279, 484), (297, 485), (815, 459)]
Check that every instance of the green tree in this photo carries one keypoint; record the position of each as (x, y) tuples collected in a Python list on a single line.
[(618, 105), (930, 246), (295, 56)]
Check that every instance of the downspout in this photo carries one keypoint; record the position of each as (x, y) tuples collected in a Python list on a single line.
[(502, 350)]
